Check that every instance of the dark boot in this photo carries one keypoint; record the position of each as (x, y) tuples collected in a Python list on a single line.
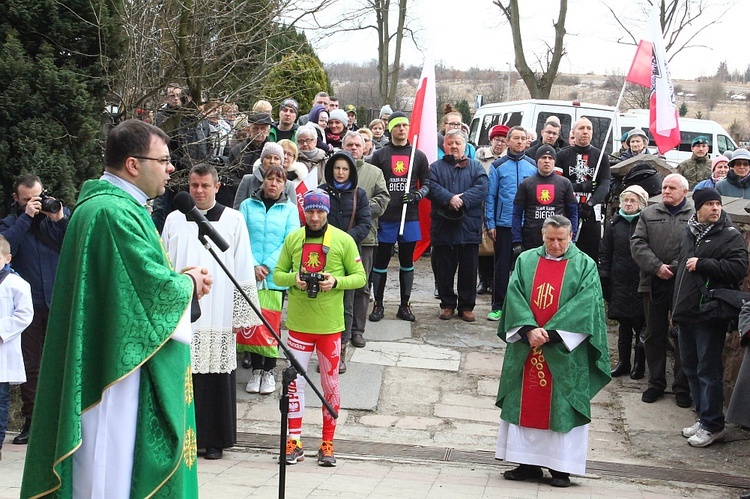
[(23, 437), (623, 365), (639, 364), (342, 360)]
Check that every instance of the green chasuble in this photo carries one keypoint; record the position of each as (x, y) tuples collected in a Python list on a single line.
[(578, 375), (115, 304)]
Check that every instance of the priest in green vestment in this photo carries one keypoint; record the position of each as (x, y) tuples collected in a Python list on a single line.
[(556, 358), (115, 416)]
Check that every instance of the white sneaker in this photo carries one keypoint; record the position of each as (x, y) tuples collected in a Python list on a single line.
[(268, 383), (253, 386), (704, 438), (691, 430)]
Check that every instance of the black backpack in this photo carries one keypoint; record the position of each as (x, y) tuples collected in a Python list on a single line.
[(645, 176)]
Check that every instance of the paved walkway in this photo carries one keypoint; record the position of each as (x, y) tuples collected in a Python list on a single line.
[(418, 420)]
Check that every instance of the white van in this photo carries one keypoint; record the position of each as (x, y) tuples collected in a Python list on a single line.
[(719, 140), (531, 114)]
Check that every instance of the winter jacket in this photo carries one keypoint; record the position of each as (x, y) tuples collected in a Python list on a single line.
[(708, 183), (273, 134), (446, 180), (35, 244), (370, 178), (342, 202), (254, 181), (734, 186), (695, 169), (268, 228), (486, 158), (722, 263), (244, 155), (618, 271), (656, 240), (506, 174)]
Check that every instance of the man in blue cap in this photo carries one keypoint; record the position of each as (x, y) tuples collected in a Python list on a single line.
[(698, 167)]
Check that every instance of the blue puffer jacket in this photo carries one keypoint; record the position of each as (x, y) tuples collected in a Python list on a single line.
[(446, 180), (506, 174), (268, 229)]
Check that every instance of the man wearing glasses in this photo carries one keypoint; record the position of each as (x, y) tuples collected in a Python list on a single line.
[(117, 358), (550, 136)]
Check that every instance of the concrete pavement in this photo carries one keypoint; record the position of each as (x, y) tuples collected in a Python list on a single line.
[(418, 420)]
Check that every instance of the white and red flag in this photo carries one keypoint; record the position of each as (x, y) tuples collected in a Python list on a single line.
[(650, 69), (423, 135)]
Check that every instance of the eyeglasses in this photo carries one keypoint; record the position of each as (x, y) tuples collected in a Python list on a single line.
[(305, 141), (162, 161), (741, 162), (454, 125)]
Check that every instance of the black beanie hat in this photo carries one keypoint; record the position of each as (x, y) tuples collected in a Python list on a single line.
[(702, 196), (546, 150)]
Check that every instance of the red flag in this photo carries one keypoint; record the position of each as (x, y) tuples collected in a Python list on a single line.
[(423, 126), (649, 69)]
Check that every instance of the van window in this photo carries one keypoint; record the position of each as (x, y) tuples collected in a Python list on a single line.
[(724, 144), (600, 124), (686, 141), (565, 121), (490, 120)]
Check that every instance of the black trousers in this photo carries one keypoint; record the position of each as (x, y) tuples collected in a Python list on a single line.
[(503, 265), (588, 240), (32, 343), (448, 259), (655, 343)]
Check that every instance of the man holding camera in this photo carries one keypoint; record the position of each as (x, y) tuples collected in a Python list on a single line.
[(318, 262), (35, 231)]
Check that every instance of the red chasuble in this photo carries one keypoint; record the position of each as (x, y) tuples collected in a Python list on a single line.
[(536, 393)]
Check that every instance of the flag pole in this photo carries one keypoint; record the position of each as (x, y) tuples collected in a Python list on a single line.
[(408, 184)]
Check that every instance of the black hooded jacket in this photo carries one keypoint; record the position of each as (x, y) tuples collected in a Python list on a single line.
[(343, 201)]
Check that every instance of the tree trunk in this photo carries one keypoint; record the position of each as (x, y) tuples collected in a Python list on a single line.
[(541, 88), (381, 13), (390, 99)]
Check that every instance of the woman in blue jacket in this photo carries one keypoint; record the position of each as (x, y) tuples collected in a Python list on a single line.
[(269, 216)]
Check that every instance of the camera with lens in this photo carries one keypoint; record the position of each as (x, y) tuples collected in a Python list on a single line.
[(50, 204), (313, 282)]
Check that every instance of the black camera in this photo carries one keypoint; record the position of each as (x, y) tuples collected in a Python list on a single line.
[(49, 204), (313, 282)]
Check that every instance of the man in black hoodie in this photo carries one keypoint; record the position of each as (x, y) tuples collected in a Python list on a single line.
[(591, 186), (713, 255)]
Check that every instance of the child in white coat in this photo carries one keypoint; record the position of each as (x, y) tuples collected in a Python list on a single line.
[(16, 312)]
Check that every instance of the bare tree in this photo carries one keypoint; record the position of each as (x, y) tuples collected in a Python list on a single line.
[(682, 20), (635, 96), (711, 92), (539, 84), (203, 47)]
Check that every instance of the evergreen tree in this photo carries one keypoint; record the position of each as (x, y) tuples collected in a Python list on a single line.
[(52, 92), (462, 107), (299, 76), (683, 110)]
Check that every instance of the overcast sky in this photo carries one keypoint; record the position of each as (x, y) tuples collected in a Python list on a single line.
[(467, 33)]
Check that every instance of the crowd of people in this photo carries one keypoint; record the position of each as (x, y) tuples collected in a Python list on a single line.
[(311, 206)]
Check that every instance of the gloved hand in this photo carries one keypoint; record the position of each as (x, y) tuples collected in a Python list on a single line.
[(587, 186), (585, 212), (412, 197), (517, 250), (606, 288)]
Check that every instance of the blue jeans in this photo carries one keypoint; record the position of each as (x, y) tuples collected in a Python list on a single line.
[(4, 410), (701, 346)]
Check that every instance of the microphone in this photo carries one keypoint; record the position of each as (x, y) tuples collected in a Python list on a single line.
[(184, 202)]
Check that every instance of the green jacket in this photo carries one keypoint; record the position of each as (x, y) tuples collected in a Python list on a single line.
[(323, 314), (115, 304), (577, 375), (695, 169)]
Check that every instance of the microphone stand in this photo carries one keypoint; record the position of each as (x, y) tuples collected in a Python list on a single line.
[(288, 376)]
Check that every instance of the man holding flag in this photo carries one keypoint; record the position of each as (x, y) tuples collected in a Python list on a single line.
[(394, 160)]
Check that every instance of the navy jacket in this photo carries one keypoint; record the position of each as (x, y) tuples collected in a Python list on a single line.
[(35, 246), (446, 180)]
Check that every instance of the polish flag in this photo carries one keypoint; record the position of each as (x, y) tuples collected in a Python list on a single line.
[(310, 183), (649, 69), (423, 131)]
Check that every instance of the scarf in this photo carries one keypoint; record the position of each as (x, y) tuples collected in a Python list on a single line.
[(342, 186), (698, 229), (458, 163), (627, 217)]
